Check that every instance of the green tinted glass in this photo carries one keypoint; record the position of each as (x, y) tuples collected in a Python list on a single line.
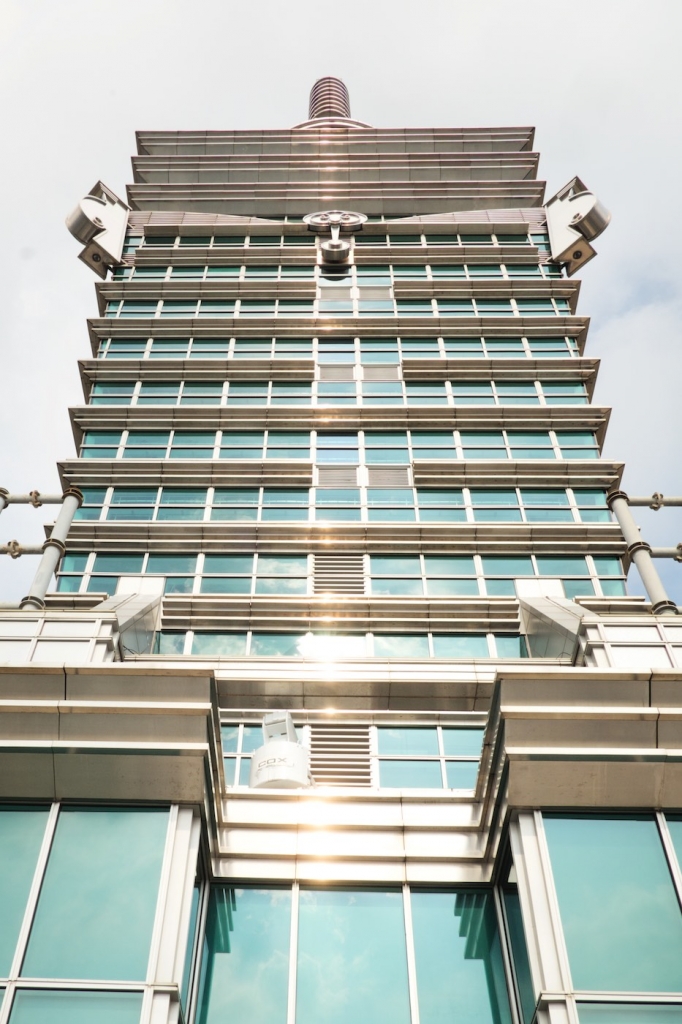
[(39, 1006), (407, 740), (352, 963), (98, 900), (620, 914), (246, 957), (629, 1013), (462, 742), (460, 972), (21, 833)]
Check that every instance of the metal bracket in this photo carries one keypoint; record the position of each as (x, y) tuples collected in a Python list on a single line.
[(336, 249)]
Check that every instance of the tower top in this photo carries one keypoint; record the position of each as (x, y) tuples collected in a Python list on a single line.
[(329, 98)]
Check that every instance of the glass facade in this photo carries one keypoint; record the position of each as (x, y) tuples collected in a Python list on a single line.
[(619, 909), (80, 888), (351, 950)]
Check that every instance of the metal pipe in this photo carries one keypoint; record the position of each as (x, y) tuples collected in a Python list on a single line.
[(14, 549), (655, 502), (675, 553), (640, 553), (53, 549), (34, 498)]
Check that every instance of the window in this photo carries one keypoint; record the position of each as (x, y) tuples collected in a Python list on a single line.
[(430, 757), (90, 910), (620, 913), (378, 447), (460, 970), (36, 1006), (335, 350), (239, 742), (347, 956), (340, 646)]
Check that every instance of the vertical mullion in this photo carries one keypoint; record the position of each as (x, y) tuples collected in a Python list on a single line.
[(411, 959), (197, 953), (507, 958), (34, 893), (441, 756), (293, 954), (162, 895), (670, 854)]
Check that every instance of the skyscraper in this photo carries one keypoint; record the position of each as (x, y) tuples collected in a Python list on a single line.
[(340, 709)]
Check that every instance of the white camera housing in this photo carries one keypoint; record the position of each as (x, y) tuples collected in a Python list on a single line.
[(99, 222), (574, 218)]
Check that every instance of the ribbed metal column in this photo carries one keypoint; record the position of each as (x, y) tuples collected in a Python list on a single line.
[(329, 98)]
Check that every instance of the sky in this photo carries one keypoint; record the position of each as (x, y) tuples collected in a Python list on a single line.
[(600, 81)]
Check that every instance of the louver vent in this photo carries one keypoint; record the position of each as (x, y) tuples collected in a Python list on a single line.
[(337, 476), (339, 574), (382, 373), (339, 755), (336, 372), (384, 476)]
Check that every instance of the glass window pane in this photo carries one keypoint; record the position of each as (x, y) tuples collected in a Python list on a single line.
[(407, 740), (169, 642), (39, 1006), (452, 645), (96, 908), (352, 963), (621, 918), (460, 973), (21, 833), (402, 565), (284, 645), (219, 643), (171, 563), (400, 646), (461, 774), (230, 737), (629, 1013), (462, 742), (118, 563), (246, 957), (411, 774)]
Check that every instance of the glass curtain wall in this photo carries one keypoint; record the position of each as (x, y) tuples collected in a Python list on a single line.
[(619, 886), (331, 955), (79, 888)]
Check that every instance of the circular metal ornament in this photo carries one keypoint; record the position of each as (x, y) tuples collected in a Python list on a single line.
[(346, 220)]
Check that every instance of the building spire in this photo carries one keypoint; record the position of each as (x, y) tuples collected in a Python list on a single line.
[(329, 98)]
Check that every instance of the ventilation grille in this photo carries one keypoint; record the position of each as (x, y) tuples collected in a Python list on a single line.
[(337, 476), (336, 372), (382, 373), (339, 574), (385, 476), (339, 755)]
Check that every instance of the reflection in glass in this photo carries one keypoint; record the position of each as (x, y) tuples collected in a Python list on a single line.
[(629, 1013), (21, 833), (460, 973), (462, 742), (410, 774), (620, 914), (352, 963), (245, 966), (39, 1006), (410, 740), (98, 900)]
